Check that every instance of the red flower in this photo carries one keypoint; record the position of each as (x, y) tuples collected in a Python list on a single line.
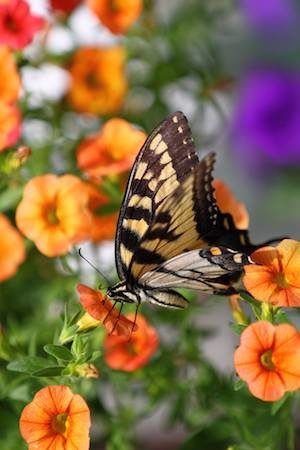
[(126, 354), (17, 24), (65, 6), (100, 308)]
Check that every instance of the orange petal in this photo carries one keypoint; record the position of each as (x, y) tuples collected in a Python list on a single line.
[(41, 189), (54, 399), (268, 386), (100, 308), (53, 241), (228, 203), (96, 304), (266, 256), (259, 281), (290, 253), (258, 336)]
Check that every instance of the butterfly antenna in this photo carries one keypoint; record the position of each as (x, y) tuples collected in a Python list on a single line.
[(116, 322), (94, 267)]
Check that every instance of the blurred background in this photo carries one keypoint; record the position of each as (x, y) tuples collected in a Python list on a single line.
[(233, 68)]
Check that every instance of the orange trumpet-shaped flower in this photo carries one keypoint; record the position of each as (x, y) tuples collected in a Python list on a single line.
[(103, 226), (131, 354), (268, 359), (12, 249), (117, 15), (10, 85), (275, 276), (56, 419), (100, 308), (229, 204), (10, 125), (54, 213), (98, 83), (112, 150)]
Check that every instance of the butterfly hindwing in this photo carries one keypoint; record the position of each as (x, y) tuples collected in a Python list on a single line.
[(165, 159), (204, 269)]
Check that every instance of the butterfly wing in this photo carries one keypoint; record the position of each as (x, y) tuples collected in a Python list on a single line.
[(165, 159), (180, 221), (207, 270)]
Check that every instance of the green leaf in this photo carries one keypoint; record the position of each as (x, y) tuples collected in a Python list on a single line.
[(59, 352), (51, 371), (238, 384), (95, 355), (10, 198), (215, 436), (237, 328), (276, 406), (28, 364)]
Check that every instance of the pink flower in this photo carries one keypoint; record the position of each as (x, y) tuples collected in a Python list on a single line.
[(17, 24)]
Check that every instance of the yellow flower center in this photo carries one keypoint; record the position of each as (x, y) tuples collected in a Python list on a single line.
[(59, 423), (131, 348), (52, 216), (92, 80), (281, 280), (266, 360)]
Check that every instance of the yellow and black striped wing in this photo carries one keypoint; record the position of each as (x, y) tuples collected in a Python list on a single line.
[(181, 221), (165, 160)]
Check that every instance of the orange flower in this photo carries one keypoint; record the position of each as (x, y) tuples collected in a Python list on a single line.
[(126, 354), (12, 249), (276, 275), (98, 84), (112, 150), (100, 308), (54, 213), (117, 15), (229, 204), (57, 419), (268, 359), (10, 125), (10, 80), (103, 227)]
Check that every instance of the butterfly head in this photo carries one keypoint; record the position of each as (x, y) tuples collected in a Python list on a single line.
[(120, 293)]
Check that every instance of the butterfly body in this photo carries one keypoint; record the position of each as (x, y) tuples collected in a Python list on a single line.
[(204, 270)]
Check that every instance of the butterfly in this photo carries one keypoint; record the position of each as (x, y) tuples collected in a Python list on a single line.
[(171, 233)]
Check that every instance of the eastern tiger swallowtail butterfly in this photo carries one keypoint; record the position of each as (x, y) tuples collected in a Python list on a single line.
[(171, 233)]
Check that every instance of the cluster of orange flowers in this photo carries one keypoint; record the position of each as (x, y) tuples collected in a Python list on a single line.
[(268, 357), (58, 212), (10, 117)]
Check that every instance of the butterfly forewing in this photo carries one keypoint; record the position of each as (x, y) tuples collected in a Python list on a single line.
[(180, 222), (165, 159)]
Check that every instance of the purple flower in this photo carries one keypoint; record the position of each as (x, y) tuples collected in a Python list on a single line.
[(266, 120), (271, 17)]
